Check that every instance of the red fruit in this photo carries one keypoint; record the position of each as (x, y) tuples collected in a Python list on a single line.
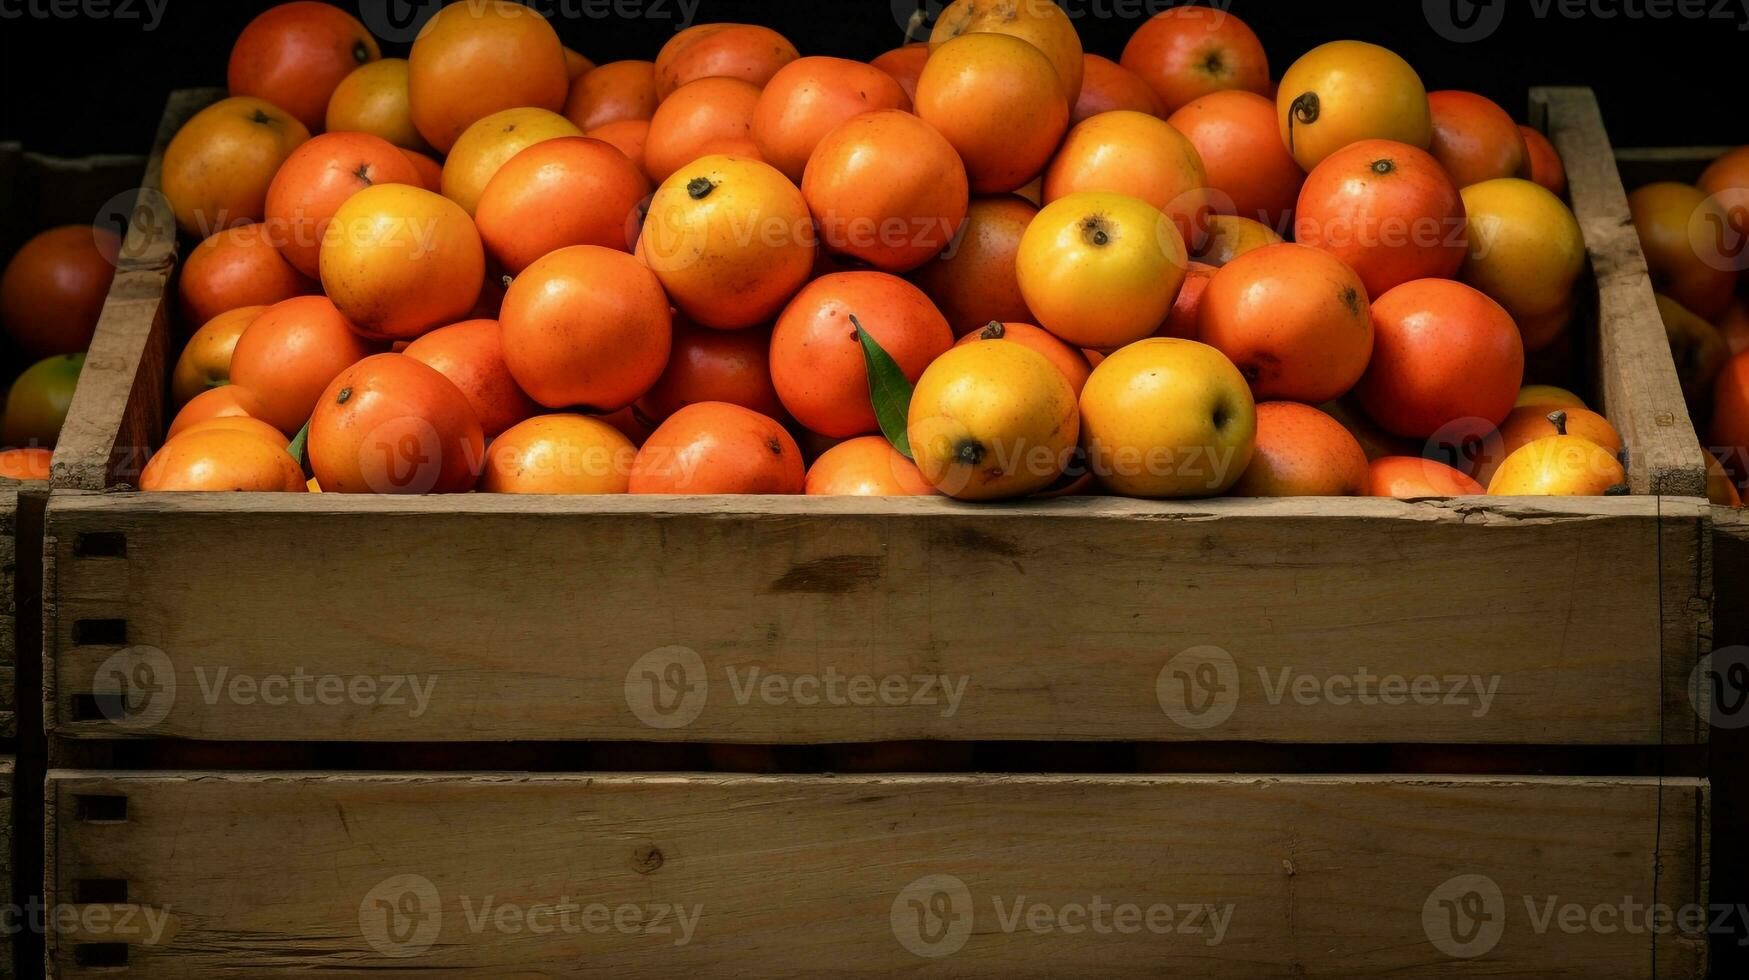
[(1386, 209), (1442, 353)]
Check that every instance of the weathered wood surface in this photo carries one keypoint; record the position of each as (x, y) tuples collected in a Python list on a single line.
[(239, 874), (724, 619)]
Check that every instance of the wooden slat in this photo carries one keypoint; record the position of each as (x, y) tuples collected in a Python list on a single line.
[(10, 888), (1637, 383), (524, 617), (117, 413), (814, 875), (20, 612), (1645, 165)]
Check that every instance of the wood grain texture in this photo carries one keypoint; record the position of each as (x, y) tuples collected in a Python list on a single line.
[(117, 413), (524, 617), (813, 875), (20, 615), (9, 886), (1637, 379)]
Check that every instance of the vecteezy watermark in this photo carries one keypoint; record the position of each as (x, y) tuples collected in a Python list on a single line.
[(150, 13), (1718, 688), (1465, 21), (1199, 688), (1466, 916), (916, 17), (144, 925), (403, 915), (934, 915), (401, 20), (669, 687), (136, 687)]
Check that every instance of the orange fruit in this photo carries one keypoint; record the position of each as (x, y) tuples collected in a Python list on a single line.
[(559, 454), (373, 99), (295, 55), (38, 401), (1412, 476), (430, 171), (1227, 237), (390, 424), (1139, 156), (1181, 322), (712, 116), (28, 464), (730, 239), (1340, 93), (712, 448), (1726, 180), (627, 136), (905, 65), (1544, 161), (398, 260), (576, 66), (973, 281), (218, 165), (289, 354), (1689, 258), (1295, 320), (567, 191), (1301, 452), (1729, 433), (225, 401), (1100, 270), (707, 365), (1248, 170), (810, 97), (586, 325), (1045, 26), (1066, 359), (316, 179), (614, 92), (222, 459), (887, 189), (976, 88), (471, 355), (746, 52), (1107, 85), (237, 267), (867, 466), (1474, 139), (1523, 426), (489, 143), (205, 361), (1387, 210), (54, 286), (476, 58), (1443, 353), (239, 423), (817, 359), (1185, 53)]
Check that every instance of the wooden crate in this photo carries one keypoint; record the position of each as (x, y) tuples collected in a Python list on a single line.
[(221, 874), (1729, 750), (557, 620), (1093, 619)]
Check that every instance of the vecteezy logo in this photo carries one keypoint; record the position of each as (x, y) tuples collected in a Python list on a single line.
[(932, 916), (1464, 21), (135, 687), (916, 17), (1465, 916), (1718, 687), (397, 20), (1199, 688), (667, 687), (401, 916)]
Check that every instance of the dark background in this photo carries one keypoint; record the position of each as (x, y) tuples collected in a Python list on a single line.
[(96, 82)]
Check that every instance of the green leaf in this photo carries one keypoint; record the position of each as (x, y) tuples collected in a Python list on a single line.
[(296, 448), (888, 389)]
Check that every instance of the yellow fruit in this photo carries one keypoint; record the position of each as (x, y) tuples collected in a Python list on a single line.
[(991, 420), (1343, 92), (1534, 395), (490, 143), (1100, 270), (1168, 418), (1558, 466), (1526, 251)]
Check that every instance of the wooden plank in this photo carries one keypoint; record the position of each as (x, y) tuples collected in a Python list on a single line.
[(1638, 385), (227, 873), (10, 888), (117, 413), (555, 618), (1645, 165), (21, 507)]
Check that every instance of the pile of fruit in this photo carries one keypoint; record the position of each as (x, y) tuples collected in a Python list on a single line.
[(1695, 238), (988, 266)]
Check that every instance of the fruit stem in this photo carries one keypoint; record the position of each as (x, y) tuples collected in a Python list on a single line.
[(699, 188), (1558, 419), (992, 331)]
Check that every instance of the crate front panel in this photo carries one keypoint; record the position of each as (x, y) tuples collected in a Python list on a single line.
[(935, 876), (276, 617)]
